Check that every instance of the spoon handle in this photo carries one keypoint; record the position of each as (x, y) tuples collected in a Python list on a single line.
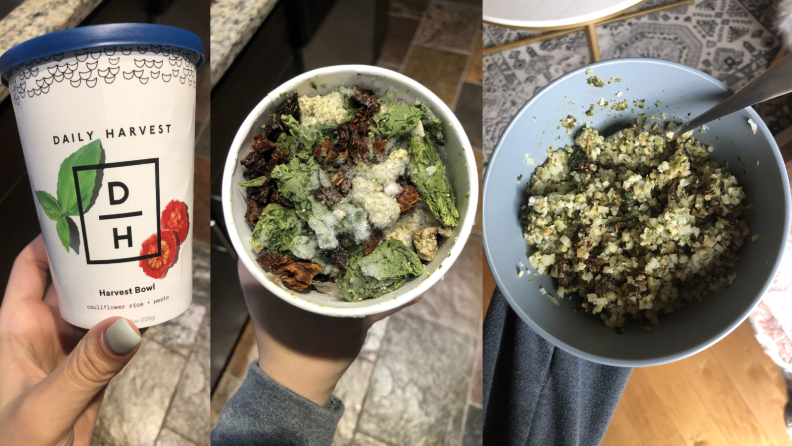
[(774, 82)]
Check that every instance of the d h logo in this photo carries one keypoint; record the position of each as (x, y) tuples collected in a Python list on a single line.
[(125, 212)]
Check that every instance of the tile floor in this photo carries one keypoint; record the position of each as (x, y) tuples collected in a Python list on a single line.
[(161, 397), (402, 390)]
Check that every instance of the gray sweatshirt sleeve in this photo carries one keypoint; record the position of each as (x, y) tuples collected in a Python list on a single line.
[(263, 412), (538, 394)]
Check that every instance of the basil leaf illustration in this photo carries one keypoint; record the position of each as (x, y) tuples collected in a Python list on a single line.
[(88, 154), (254, 182), (49, 205), (63, 231)]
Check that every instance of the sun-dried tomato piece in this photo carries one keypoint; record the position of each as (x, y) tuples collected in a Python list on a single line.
[(585, 168), (583, 238), (156, 267), (712, 204), (290, 106), (256, 198), (372, 242), (261, 144), (325, 154), (603, 286), (595, 265), (357, 141), (276, 197), (365, 100), (296, 275), (584, 241), (342, 178), (327, 195), (673, 191), (256, 165), (278, 158), (379, 149), (342, 143), (565, 273), (176, 218), (640, 279), (631, 298), (272, 130), (339, 258), (407, 198)]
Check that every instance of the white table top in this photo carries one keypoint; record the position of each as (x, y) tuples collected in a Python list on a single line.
[(551, 13)]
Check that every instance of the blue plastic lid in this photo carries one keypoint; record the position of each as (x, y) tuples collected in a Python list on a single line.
[(100, 35)]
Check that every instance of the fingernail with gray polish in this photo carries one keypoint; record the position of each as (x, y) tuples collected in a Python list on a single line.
[(121, 337)]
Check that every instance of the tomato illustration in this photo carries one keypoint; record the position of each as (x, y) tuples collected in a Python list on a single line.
[(175, 218), (156, 267)]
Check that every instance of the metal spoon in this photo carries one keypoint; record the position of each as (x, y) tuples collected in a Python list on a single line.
[(774, 82)]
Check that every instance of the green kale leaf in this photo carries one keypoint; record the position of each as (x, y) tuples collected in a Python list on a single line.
[(398, 121), (432, 184), (276, 229), (387, 99), (384, 270), (311, 135), (287, 143), (298, 179), (578, 156), (629, 199), (255, 182), (433, 127)]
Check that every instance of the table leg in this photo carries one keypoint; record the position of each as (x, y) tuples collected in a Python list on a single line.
[(593, 43)]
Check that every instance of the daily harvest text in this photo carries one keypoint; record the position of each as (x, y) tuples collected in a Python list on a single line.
[(119, 132)]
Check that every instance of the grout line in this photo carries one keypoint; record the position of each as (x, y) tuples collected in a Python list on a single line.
[(471, 381), (176, 390), (453, 330), (368, 386), (462, 80), (233, 351), (401, 15)]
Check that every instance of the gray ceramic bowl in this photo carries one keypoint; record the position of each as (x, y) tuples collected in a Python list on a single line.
[(682, 91)]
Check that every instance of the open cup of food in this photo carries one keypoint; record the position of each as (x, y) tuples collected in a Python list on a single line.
[(347, 190), (106, 116)]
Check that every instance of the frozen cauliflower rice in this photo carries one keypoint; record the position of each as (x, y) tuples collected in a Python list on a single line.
[(635, 225)]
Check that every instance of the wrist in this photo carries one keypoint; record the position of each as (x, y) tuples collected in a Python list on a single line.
[(313, 377)]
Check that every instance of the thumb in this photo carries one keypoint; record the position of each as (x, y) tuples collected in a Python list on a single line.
[(98, 357)]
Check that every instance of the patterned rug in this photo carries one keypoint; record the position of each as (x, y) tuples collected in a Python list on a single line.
[(732, 40)]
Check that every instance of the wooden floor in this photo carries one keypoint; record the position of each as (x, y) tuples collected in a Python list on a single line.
[(729, 394)]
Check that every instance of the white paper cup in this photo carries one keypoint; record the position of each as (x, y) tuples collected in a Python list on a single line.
[(460, 169), (106, 115)]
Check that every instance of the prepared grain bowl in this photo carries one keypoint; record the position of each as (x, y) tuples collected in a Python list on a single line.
[(347, 194), (635, 225)]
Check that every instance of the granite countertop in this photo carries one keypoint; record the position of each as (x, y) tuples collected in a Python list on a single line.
[(233, 23), (34, 18)]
